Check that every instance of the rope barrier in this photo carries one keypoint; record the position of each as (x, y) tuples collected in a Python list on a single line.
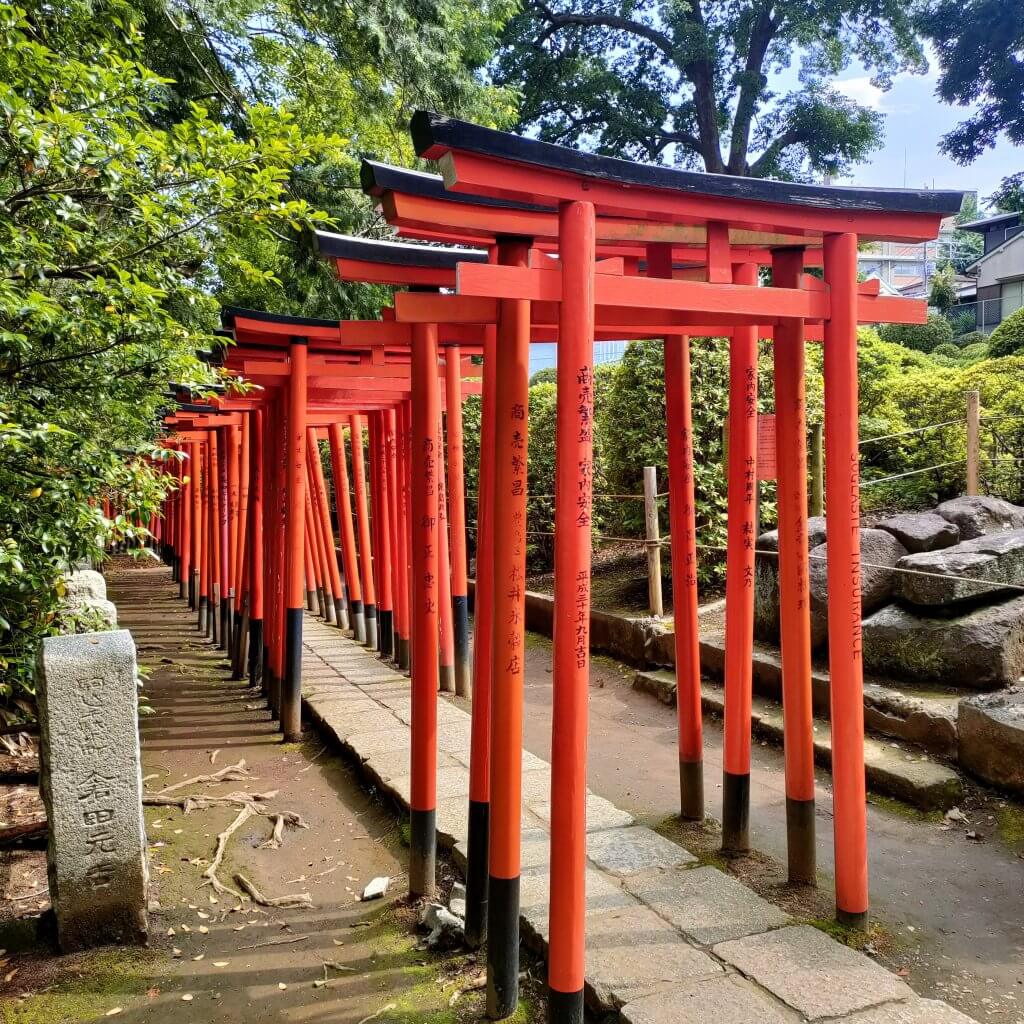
[(912, 472), (915, 430), (666, 542)]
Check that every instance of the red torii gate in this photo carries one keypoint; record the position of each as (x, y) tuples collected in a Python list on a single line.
[(577, 203), (641, 252)]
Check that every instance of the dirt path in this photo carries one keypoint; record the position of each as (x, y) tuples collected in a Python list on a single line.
[(951, 910), (215, 959)]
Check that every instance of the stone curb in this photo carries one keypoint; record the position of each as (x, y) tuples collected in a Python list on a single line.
[(921, 782), (637, 950)]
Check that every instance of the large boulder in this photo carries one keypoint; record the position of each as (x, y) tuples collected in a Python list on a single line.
[(879, 552), (991, 738), (996, 557), (766, 578), (979, 514), (980, 650), (922, 531)]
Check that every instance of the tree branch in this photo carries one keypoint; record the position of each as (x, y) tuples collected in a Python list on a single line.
[(636, 28), (771, 154), (751, 84)]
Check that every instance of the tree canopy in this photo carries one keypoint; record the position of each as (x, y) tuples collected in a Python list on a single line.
[(699, 84), (979, 45)]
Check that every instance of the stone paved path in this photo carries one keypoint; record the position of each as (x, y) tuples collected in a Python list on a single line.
[(669, 942)]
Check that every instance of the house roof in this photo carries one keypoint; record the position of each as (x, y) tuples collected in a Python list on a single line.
[(985, 223), (1013, 239)]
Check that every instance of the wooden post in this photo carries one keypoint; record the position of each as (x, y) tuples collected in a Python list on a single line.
[(363, 519), (457, 518), (346, 532), (653, 538), (973, 428), (817, 470), (509, 535), (739, 587), (683, 530), (574, 446), (295, 506), (845, 640), (257, 481), (794, 576), (477, 855), (424, 594)]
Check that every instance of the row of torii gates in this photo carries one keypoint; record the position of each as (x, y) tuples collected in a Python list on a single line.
[(538, 244)]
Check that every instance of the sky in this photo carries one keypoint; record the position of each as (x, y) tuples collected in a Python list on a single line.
[(915, 121)]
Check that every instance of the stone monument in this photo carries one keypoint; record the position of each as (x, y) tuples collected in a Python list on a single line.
[(91, 782)]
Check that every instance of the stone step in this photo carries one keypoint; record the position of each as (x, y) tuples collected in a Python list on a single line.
[(912, 777), (924, 718)]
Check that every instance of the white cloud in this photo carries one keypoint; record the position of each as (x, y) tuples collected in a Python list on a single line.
[(860, 90)]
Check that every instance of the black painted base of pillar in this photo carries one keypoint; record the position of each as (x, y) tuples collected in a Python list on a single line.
[(477, 846), (255, 651), (387, 633), (800, 848), (355, 610), (691, 790), (340, 613), (735, 813), (240, 645), (226, 632), (370, 618), (502, 947), (403, 653), (446, 678), (291, 688), (202, 614), (460, 631), (422, 852), (853, 920), (565, 1007)]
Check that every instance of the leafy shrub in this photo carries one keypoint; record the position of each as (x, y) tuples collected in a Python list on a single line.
[(962, 320), (970, 338), (920, 337), (974, 353), (947, 348), (1008, 338)]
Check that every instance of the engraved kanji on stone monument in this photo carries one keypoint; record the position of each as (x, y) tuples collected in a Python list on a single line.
[(91, 783)]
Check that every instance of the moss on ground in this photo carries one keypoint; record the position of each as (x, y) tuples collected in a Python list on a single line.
[(92, 985), (1010, 823), (903, 810)]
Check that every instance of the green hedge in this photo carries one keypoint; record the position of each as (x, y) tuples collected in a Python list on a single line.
[(920, 337), (1008, 338)]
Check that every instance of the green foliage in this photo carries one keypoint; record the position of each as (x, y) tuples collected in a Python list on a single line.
[(948, 349), (920, 337), (974, 352), (978, 45), (1009, 197), (971, 338), (902, 390), (357, 70), (702, 85), (943, 289), (1008, 338), (546, 376), (113, 219)]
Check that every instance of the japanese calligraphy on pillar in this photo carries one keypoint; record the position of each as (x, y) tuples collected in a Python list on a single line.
[(516, 583), (584, 507), (428, 523)]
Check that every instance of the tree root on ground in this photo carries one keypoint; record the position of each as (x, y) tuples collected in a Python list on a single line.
[(230, 773), (301, 899), (200, 801)]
